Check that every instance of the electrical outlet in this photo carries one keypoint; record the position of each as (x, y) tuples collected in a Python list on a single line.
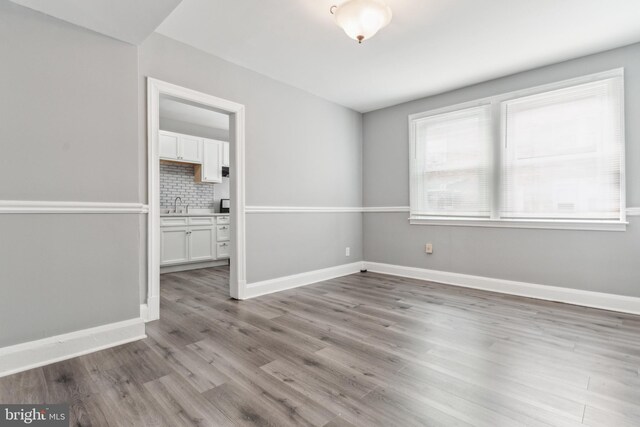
[(347, 251), (428, 248)]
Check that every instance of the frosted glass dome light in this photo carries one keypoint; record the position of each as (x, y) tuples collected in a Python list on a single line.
[(361, 19)]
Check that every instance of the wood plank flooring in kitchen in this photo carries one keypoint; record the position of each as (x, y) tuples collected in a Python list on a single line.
[(365, 349)]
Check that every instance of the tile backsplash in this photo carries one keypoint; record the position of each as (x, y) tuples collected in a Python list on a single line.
[(176, 180)]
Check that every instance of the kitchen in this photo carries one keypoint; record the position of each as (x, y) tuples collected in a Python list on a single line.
[(194, 186)]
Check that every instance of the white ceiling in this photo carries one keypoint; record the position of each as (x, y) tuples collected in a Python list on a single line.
[(429, 47), (170, 108), (130, 21)]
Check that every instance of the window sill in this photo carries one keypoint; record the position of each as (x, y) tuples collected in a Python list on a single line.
[(552, 224)]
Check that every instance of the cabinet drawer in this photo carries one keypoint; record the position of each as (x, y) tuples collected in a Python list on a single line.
[(222, 233), (206, 220), (222, 250), (173, 221), (223, 219)]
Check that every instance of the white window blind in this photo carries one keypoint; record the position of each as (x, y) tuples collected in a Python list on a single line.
[(451, 165), (563, 153)]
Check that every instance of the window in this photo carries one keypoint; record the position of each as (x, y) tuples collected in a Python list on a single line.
[(549, 157), (452, 172)]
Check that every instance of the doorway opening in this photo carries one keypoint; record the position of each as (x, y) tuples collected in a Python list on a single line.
[(196, 216)]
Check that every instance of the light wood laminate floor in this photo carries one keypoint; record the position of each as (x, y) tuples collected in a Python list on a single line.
[(365, 349)]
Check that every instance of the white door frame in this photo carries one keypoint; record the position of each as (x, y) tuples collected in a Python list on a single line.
[(237, 284)]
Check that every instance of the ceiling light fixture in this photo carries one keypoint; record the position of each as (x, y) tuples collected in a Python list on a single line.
[(361, 19)]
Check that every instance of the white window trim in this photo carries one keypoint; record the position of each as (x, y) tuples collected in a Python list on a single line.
[(553, 224), (499, 135)]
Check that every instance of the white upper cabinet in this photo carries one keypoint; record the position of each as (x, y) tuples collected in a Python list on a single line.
[(168, 146), (191, 148), (211, 170), (181, 148), (225, 154), (209, 155)]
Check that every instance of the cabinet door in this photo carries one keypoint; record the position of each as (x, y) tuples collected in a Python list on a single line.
[(211, 168), (173, 245), (201, 243), (225, 154), (190, 149), (223, 233), (168, 146), (222, 250)]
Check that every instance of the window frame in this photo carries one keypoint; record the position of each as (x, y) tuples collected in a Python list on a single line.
[(498, 133)]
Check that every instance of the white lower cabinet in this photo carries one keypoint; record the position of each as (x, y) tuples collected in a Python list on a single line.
[(223, 233), (222, 236), (185, 239), (174, 247), (202, 244), (223, 250), (193, 239)]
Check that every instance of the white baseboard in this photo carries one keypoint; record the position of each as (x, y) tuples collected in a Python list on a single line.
[(29, 355), (192, 266), (612, 302), (287, 282)]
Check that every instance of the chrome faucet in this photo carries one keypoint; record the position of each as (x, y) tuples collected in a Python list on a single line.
[(175, 204)]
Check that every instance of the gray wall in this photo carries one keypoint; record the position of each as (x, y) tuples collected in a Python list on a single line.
[(589, 260), (68, 113), (173, 125), (301, 150)]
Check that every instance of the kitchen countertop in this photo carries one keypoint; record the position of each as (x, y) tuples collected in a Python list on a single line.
[(193, 214)]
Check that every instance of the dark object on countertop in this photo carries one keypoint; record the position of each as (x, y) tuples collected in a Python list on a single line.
[(224, 205)]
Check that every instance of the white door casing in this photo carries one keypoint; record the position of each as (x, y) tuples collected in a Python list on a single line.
[(237, 244)]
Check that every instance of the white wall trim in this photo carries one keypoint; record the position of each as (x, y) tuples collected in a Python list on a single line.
[(633, 211), (619, 303), (288, 282), (237, 189), (301, 209), (323, 209), (382, 209), (32, 354), (522, 223), (49, 207)]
